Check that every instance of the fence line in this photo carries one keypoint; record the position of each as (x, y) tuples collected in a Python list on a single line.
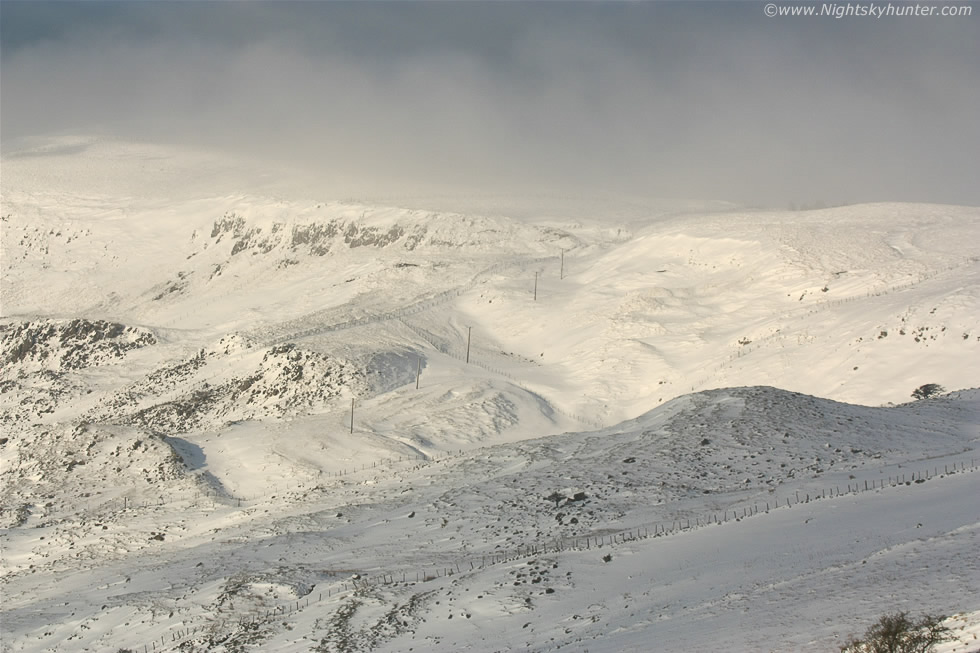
[(560, 544)]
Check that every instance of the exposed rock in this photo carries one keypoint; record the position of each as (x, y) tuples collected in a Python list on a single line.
[(68, 344)]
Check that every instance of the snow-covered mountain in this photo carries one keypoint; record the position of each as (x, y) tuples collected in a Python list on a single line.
[(634, 426)]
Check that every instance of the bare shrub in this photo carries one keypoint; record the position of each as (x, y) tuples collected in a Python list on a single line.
[(897, 633)]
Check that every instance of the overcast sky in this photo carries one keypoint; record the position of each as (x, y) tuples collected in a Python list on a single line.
[(706, 100)]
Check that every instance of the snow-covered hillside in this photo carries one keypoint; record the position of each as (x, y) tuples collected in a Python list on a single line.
[(632, 427)]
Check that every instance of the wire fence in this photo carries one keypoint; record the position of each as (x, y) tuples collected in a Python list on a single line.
[(452, 346), (225, 629)]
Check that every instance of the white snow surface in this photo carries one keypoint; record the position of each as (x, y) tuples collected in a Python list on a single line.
[(696, 436)]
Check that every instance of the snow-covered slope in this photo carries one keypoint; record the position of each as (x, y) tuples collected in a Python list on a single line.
[(752, 518), (184, 339), (627, 313)]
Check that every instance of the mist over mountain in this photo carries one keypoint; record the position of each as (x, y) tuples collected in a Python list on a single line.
[(670, 99)]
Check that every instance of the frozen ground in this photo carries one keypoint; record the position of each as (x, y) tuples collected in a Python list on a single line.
[(714, 399)]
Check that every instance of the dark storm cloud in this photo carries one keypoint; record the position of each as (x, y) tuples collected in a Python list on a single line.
[(709, 100)]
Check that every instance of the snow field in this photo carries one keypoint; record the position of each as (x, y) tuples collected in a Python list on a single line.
[(198, 487)]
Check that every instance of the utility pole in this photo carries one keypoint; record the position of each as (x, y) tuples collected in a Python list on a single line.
[(469, 331), (418, 373), (352, 415), (561, 275), (535, 286)]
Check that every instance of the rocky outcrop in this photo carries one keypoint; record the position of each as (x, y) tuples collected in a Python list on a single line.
[(67, 344)]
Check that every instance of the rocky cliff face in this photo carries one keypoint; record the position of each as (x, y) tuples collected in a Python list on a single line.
[(314, 238), (67, 344)]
